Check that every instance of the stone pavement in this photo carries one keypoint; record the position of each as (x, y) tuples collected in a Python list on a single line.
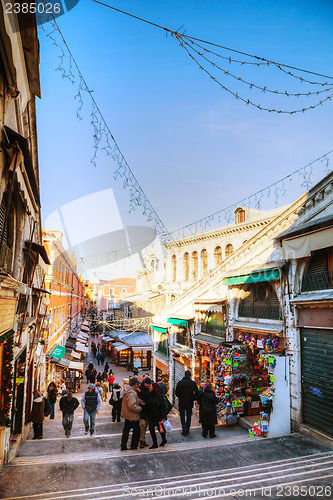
[(230, 466)]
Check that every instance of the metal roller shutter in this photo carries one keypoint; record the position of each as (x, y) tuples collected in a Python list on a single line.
[(317, 378), (178, 374)]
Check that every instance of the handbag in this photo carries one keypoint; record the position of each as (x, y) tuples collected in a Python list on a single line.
[(111, 401), (167, 426)]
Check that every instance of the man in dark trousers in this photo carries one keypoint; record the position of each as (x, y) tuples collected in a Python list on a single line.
[(130, 411), (91, 403), (186, 391), (68, 405), (144, 394)]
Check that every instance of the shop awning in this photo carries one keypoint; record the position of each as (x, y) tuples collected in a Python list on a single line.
[(84, 334), (258, 327), (119, 346), (302, 246), (81, 339), (208, 306), (180, 320), (138, 348), (38, 248), (157, 328), (267, 272), (75, 354), (85, 328), (81, 348), (76, 365), (58, 352)]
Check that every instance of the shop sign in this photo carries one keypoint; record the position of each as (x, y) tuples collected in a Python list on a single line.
[(260, 344), (19, 380)]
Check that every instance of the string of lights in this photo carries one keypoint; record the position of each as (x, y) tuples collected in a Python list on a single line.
[(276, 190), (103, 139), (189, 43)]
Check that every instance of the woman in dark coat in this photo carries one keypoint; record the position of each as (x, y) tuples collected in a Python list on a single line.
[(37, 415), (52, 397), (207, 411), (156, 411), (92, 376)]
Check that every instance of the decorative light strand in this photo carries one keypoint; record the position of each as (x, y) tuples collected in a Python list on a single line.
[(103, 139)]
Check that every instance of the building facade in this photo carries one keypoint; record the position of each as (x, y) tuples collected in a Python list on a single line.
[(22, 256)]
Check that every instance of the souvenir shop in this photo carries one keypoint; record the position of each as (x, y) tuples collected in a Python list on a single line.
[(249, 375)]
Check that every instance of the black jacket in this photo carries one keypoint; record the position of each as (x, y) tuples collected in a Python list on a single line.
[(187, 391), (68, 406), (156, 408), (52, 395), (207, 410), (144, 396)]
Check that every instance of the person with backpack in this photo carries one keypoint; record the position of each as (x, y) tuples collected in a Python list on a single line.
[(68, 405), (91, 403), (37, 415), (116, 401), (52, 397)]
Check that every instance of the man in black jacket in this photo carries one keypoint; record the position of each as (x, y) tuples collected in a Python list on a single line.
[(68, 405), (144, 397), (186, 391)]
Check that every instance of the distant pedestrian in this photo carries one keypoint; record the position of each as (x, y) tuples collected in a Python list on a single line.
[(144, 391), (52, 397), (87, 374), (99, 377), (116, 401), (62, 387), (99, 389), (156, 411), (92, 376), (37, 415), (106, 367), (98, 357), (186, 391), (111, 380), (105, 387), (98, 346), (207, 411), (102, 358), (91, 403), (130, 410), (135, 372), (68, 405)]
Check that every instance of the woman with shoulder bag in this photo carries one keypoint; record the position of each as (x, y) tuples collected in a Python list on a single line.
[(156, 410)]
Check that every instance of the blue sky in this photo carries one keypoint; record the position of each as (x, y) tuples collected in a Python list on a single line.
[(193, 148)]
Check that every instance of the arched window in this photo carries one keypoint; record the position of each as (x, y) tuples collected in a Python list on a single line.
[(218, 255), (260, 301), (186, 266), (195, 265), (319, 274), (240, 216), (174, 267), (204, 261), (229, 249)]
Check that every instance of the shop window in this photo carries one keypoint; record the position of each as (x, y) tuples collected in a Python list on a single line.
[(111, 291), (261, 301), (204, 261), (174, 267), (218, 255), (183, 337), (214, 324), (163, 347), (229, 249), (319, 274), (186, 266), (195, 265)]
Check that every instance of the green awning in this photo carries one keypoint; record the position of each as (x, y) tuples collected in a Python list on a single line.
[(159, 329), (254, 277), (58, 352), (179, 322)]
